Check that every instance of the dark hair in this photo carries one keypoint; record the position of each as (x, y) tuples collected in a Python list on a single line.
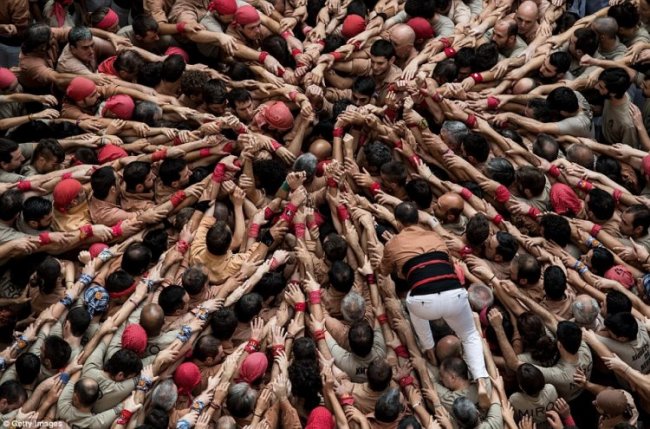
[(617, 302), (409, 422), (364, 85), (420, 8), (205, 347), (554, 282), (556, 228), (49, 148), (304, 348), (528, 268), (278, 48), (28, 367), (561, 61), (194, 280), (395, 172), (601, 260), (156, 418), (609, 166), (79, 321), (622, 325), (586, 40), (271, 284), (7, 147), (361, 337), (150, 74), (125, 361), (143, 24), (407, 213), (379, 375), (171, 299), (57, 351), (570, 336), (35, 37), (118, 281), (486, 57), (382, 48), (145, 111), (626, 14), (456, 366), (173, 69), (341, 276), (562, 99), (531, 327), (135, 173), (465, 57), (306, 382), (476, 146), (101, 181), (128, 61), (87, 391), (540, 110), (335, 247), (218, 238), (601, 204), (270, 173), (530, 379), (86, 155), (214, 92), (13, 392), (388, 406), (507, 247), (248, 307), (640, 217), (419, 191), (240, 71), (11, 204), (170, 170), (477, 230), (156, 240), (193, 82), (617, 81), (500, 170), (136, 258), (238, 95), (47, 275), (377, 154), (445, 71), (545, 146), (223, 323), (565, 22)]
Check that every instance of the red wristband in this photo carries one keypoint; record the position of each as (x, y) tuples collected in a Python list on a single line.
[(554, 171), (24, 185), (268, 213), (314, 297), (205, 152), (502, 194), (569, 421), (277, 349), (414, 160), (436, 97), (595, 230), (406, 381), (300, 229), (342, 212), (262, 57), (158, 155), (300, 307), (331, 183), (371, 279), (286, 34), (375, 187), (312, 225), (357, 45), (295, 52), (116, 230), (338, 132), (497, 219), (125, 417), (44, 238), (219, 173), (228, 147), (493, 103), (450, 52), (86, 231), (66, 176), (346, 400), (288, 213), (337, 55), (585, 185), (398, 144), (466, 251), (445, 42), (180, 27), (319, 335), (478, 77), (252, 346), (182, 246), (177, 198), (617, 194), (275, 145), (177, 141), (466, 194), (382, 319), (471, 120), (533, 212), (402, 351), (253, 230)]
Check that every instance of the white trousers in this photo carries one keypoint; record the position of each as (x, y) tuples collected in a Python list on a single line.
[(453, 307)]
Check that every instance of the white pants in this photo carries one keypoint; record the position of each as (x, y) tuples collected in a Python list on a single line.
[(453, 307)]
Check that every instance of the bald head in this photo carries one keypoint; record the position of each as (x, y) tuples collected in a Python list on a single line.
[(528, 9), (581, 155), (480, 296), (321, 149), (446, 347), (605, 26), (402, 37), (152, 318), (526, 16), (451, 201), (585, 310)]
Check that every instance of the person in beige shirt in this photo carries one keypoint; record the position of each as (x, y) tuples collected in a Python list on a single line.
[(535, 397), (83, 52)]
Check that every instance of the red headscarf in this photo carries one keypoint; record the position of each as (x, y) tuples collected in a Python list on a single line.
[(564, 200), (620, 274), (64, 192), (109, 20), (320, 418), (80, 88), (186, 377), (107, 66), (246, 15), (646, 165), (96, 248), (7, 78), (253, 367), (59, 10), (278, 115), (134, 338), (110, 152), (353, 25), (223, 7), (121, 105), (422, 27), (175, 50)]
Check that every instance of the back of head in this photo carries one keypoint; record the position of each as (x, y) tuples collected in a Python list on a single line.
[(407, 213), (248, 307), (388, 406), (164, 395), (335, 247), (14, 393), (353, 307), (569, 335), (218, 238), (379, 375), (241, 400), (361, 338), (28, 367), (223, 323), (554, 283), (465, 413), (136, 259), (562, 99), (87, 391), (530, 379), (123, 361), (585, 309), (623, 325), (56, 352), (617, 302), (477, 230), (341, 276)]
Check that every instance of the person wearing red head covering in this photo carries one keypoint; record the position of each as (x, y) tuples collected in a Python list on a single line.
[(83, 91), (186, 377), (622, 275), (422, 28), (8, 80), (564, 200), (175, 50), (119, 107), (110, 152), (247, 27), (96, 248), (274, 115), (224, 8), (70, 206), (352, 25), (253, 368), (109, 22), (320, 418), (134, 338)]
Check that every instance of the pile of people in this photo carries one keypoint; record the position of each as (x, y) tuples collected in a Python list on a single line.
[(325, 214)]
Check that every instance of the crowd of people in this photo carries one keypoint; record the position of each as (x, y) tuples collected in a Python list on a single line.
[(342, 214)]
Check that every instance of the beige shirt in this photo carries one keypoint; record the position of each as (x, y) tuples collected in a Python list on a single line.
[(561, 374), (635, 353), (68, 63), (535, 407), (618, 126)]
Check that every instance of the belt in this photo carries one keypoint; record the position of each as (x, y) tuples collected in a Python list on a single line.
[(430, 273)]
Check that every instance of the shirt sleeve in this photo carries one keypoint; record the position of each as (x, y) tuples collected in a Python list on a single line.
[(198, 244), (19, 11), (95, 362)]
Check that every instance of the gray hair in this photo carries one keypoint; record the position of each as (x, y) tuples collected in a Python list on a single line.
[(455, 129), (581, 155), (480, 296), (77, 34), (241, 400), (465, 412), (585, 309), (165, 395), (145, 111), (306, 162), (500, 170), (353, 307), (606, 25)]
